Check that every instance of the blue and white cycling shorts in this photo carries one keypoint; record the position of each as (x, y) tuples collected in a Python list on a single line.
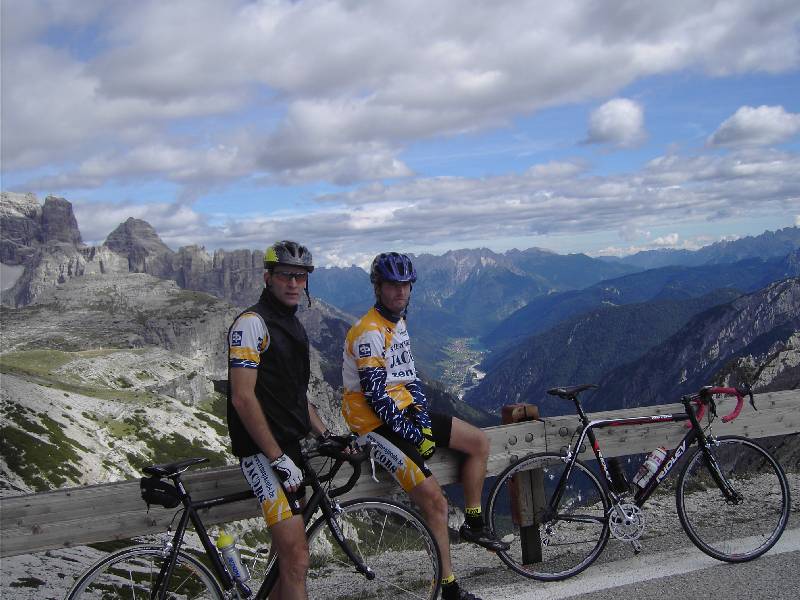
[(402, 458), (275, 501)]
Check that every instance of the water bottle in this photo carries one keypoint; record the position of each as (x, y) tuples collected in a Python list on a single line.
[(650, 466), (231, 557)]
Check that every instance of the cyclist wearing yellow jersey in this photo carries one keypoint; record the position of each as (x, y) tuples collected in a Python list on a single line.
[(384, 402)]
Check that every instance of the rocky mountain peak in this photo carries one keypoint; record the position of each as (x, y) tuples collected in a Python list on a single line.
[(20, 227), (58, 222), (136, 233), (26, 225), (138, 241), (20, 205), (792, 263)]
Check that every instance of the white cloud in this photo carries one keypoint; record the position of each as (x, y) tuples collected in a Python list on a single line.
[(557, 169), (666, 241), (186, 165), (759, 126), (337, 90), (619, 122), (420, 213)]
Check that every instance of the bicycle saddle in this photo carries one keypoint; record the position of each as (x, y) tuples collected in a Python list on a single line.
[(173, 468), (568, 393)]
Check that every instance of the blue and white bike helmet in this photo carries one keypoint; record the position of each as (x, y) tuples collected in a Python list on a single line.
[(392, 266)]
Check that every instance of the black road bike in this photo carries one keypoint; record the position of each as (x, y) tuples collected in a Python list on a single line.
[(732, 495), (361, 548)]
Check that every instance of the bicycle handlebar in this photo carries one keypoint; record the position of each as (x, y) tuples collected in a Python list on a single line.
[(336, 447), (705, 396)]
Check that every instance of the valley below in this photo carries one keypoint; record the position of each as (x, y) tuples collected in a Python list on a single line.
[(460, 371)]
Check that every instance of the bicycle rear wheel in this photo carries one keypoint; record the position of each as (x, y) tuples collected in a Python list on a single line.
[(739, 530), (546, 544), (131, 573), (390, 539)]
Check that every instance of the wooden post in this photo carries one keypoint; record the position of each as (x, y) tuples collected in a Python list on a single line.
[(527, 491)]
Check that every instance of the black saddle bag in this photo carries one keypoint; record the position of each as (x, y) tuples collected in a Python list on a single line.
[(159, 492)]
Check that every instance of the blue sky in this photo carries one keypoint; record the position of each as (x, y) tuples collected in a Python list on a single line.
[(598, 127)]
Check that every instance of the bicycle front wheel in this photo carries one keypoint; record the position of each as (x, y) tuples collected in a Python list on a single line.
[(390, 539), (131, 574), (734, 529), (549, 541)]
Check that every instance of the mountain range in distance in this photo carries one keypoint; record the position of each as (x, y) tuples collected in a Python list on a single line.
[(113, 356), (662, 283), (517, 303)]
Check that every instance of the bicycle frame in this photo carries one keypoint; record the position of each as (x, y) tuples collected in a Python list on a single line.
[(695, 434), (190, 514)]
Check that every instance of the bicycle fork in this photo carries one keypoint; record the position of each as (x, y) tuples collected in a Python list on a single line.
[(332, 510), (731, 495)]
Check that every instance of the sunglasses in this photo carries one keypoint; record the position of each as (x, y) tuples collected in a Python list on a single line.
[(286, 276)]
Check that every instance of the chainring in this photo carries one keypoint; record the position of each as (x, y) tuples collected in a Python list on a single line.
[(626, 521)]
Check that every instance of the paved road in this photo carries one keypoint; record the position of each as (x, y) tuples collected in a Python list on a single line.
[(681, 573)]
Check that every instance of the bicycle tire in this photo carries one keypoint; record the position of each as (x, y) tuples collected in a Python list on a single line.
[(548, 547), (734, 532), (390, 538), (129, 573)]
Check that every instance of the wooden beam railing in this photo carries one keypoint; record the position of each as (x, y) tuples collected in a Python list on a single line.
[(112, 511)]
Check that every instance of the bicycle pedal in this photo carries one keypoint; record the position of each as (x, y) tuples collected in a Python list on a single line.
[(637, 546)]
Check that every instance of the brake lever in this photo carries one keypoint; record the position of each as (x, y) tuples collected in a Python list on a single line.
[(370, 447), (372, 466), (712, 405), (748, 389)]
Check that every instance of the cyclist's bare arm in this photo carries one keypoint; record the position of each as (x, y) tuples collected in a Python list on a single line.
[(317, 425), (243, 396)]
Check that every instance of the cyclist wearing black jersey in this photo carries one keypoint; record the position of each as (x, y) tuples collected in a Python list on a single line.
[(385, 403), (268, 409)]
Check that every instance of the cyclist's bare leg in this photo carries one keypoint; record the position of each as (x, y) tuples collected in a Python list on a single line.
[(289, 541), (429, 498), (474, 443)]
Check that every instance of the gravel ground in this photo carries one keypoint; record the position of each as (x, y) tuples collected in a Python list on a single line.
[(49, 575), (486, 575)]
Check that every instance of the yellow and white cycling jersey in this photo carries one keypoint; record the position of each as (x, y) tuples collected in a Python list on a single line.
[(379, 377)]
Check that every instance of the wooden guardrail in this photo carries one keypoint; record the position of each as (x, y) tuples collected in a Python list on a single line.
[(113, 511)]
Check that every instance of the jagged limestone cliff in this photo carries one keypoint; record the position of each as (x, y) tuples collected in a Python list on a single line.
[(106, 367)]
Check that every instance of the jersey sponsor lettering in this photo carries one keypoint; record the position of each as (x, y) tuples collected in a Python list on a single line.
[(267, 488), (402, 468)]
